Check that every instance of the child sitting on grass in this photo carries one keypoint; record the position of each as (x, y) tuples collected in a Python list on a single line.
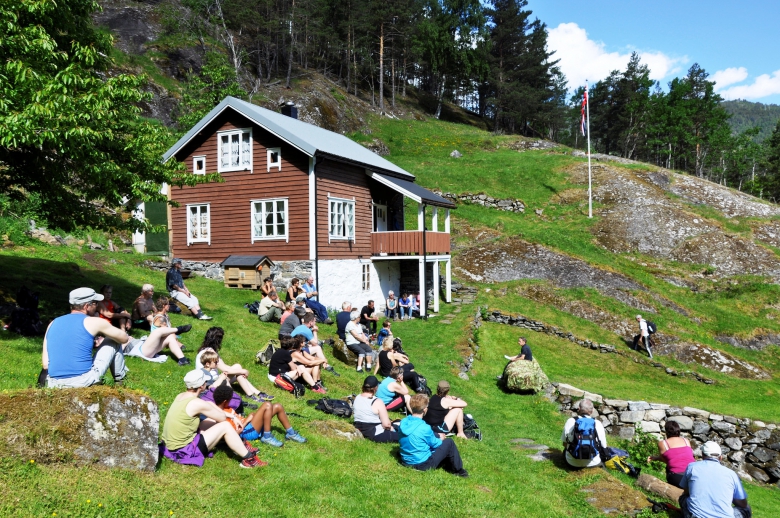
[(209, 360), (257, 425)]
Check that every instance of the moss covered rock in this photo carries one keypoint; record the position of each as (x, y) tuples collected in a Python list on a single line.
[(95, 425), (524, 376)]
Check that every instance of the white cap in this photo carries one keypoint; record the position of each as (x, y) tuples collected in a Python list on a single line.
[(711, 449), (83, 295), (195, 379)]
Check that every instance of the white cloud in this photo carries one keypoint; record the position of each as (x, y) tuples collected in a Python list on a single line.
[(584, 59), (762, 86), (724, 78)]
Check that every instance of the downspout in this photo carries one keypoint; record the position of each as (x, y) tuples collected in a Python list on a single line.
[(424, 311)]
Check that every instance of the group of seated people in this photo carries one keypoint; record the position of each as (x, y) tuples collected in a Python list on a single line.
[(299, 359), (272, 309)]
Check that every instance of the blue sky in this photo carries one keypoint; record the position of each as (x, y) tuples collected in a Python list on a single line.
[(738, 43)]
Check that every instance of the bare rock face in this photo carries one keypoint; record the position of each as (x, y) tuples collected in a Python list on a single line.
[(96, 425)]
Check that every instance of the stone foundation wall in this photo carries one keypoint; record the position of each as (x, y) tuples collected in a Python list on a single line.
[(750, 447)]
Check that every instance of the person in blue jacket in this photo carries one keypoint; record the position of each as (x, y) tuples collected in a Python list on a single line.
[(421, 449)]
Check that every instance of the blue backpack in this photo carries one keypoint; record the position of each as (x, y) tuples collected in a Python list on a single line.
[(585, 445)]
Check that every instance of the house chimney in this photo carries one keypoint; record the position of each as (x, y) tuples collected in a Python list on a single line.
[(290, 109)]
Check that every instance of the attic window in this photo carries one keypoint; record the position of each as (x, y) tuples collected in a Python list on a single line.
[(199, 165), (234, 150), (274, 158)]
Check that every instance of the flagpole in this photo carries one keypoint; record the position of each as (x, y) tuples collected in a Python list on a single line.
[(590, 188)]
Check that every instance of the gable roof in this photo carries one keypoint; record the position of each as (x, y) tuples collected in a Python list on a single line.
[(308, 138)]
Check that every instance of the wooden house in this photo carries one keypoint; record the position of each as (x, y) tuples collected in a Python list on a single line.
[(293, 191)]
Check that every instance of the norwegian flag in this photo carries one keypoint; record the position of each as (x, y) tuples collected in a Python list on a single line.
[(584, 104)]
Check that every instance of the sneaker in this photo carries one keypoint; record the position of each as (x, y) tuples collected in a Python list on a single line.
[(271, 441), (295, 437), (262, 397), (320, 385), (184, 361), (205, 317), (183, 329), (369, 367), (252, 462), (463, 473), (317, 389), (251, 448), (359, 369), (330, 369)]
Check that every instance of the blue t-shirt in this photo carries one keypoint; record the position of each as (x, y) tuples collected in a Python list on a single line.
[(712, 488), (308, 289), (69, 346), (304, 330)]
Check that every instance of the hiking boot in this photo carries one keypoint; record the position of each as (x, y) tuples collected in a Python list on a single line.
[(183, 329), (330, 369), (204, 317), (295, 436), (261, 397), (252, 462), (463, 473), (271, 441), (184, 361), (250, 448)]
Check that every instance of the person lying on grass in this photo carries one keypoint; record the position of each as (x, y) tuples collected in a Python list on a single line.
[(235, 373), (420, 448), (445, 412), (393, 392), (258, 424), (371, 414), (188, 440)]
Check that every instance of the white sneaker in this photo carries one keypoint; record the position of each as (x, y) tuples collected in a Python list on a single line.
[(205, 317), (360, 369)]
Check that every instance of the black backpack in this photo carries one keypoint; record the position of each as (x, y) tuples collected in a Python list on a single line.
[(422, 386), (585, 445), (253, 307), (471, 428), (337, 407), (651, 327)]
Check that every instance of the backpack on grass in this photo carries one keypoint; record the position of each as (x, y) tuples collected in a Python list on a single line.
[(585, 445), (337, 407), (284, 382), (617, 459), (471, 428), (651, 327), (263, 356), (253, 307)]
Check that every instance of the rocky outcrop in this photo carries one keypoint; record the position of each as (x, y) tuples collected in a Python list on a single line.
[(750, 447), (523, 376), (754, 343), (96, 425)]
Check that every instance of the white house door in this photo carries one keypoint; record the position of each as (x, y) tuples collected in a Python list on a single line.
[(380, 218)]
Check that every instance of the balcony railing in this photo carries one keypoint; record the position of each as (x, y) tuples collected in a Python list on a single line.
[(409, 243)]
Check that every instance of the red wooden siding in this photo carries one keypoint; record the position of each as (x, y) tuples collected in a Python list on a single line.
[(230, 212)]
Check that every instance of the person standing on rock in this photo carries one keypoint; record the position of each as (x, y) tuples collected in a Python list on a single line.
[(711, 489), (178, 291)]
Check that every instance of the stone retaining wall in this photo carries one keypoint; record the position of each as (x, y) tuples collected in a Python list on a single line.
[(281, 273), (507, 204), (750, 447)]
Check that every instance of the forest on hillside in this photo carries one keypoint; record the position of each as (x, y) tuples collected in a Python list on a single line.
[(746, 115)]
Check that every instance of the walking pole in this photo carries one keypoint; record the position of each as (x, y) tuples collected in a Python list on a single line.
[(590, 187)]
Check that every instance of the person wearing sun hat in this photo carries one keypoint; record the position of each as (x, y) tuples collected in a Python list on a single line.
[(711, 488), (70, 340), (185, 439)]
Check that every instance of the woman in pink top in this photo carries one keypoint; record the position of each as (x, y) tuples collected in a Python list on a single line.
[(676, 452)]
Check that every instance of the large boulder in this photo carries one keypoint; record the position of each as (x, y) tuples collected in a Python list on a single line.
[(342, 353), (524, 376), (96, 425)]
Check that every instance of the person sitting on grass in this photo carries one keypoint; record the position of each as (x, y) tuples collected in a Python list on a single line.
[(271, 308), (307, 333), (368, 317), (143, 308), (294, 290), (281, 363), (371, 414), (235, 373), (310, 290), (178, 291), (384, 332), (389, 358), (711, 489), (288, 310), (675, 452), (420, 448), (160, 320), (393, 392), (267, 287), (357, 342), (188, 440), (258, 424), (445, 412), (307, 365), (291, 322), (109, 310), (591, 447), (214, 378)]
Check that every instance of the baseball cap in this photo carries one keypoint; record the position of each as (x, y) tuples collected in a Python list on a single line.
[(83, 295), (711, 449), (371, 382), (443, 385), (195, 379), (176, 260)]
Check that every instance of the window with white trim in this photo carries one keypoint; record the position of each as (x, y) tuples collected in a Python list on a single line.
[(234, 150), (269, 219), (198, 224), (274, 158), (366, 277), (199, 165), (342, 219)]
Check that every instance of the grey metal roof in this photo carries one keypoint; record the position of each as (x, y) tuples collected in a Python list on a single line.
[(308, 138), (412, 190), (246, 260)]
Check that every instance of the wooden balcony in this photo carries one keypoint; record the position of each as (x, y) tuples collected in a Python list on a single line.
[(409, 243)]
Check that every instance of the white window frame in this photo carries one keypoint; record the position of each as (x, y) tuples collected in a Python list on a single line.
[(366, 277), (278, 164), (342, 202), (229, 134), (201, 239), (202, 160), (279, 237)]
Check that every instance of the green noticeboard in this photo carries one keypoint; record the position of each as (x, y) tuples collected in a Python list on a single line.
[(157, 214)]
